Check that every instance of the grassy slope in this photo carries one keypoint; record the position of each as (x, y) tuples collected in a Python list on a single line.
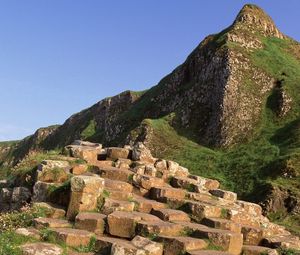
[(274, 145)]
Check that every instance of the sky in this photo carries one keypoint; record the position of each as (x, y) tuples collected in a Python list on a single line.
[(58, 57)]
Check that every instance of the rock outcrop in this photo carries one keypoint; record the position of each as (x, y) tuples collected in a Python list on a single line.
[(149, 206)]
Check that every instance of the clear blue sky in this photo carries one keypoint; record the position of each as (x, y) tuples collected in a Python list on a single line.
[(58, 57)]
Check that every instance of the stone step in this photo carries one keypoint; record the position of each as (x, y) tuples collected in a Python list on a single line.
[(252, 235), (161, 194), (111, 205), (40, 223), (222, 224), (179, 244), (171, 215), (116, 153), (185, 183), (147, 182), (146, 228), (51, 210), (72, 237), (114, 173), (146, 205), (117, 194), (229, 241), (103, 244), (287, 242), (242, 217), (228, 195), (92, 222), (202, 197), (29, 232), (205, 182), (201, 210), (41, 248), (208, 252), (146, 247), (79, 169), (258, 250), (250, 208), (123, 224), (118, 185)]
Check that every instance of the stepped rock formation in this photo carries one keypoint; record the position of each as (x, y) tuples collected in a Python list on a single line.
[(129, 203)]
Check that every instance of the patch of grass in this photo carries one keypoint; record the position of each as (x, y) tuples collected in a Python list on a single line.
[(10, 243), (88, 248), (89, 131)]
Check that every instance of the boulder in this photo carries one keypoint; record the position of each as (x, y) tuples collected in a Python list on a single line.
[(93, 222), (141, 153)]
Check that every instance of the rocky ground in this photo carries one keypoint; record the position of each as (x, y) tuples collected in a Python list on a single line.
[(123, 201)]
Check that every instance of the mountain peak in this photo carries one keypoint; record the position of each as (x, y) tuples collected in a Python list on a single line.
[(252, 17)]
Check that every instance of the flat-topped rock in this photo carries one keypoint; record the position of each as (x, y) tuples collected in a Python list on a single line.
[(116, 153), (178, 244), (258, 250), (150, 247), (145, 228), (114, 173), (112, 205), (228, 195), (250, 208), (117, 194), (29, 232), (147, 182), (87, 184), (122, 224), (93, 222), (79, 169), (205, 182), (161, 194), (118, 185), (40, 223), (171, 215), (146, 205), (103, 244), (184, 183), (51, 210), (41, 249), (200, 210), (72, 237), (220, 223), (229, 241)]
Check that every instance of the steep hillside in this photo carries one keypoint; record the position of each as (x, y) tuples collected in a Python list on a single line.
[(230, 111)]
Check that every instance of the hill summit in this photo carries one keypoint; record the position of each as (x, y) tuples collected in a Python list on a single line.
[(229, 112)]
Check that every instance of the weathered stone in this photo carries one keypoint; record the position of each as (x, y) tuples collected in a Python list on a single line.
[(180, 244), (85, 193), (123, 163), (251, 208), (41, 191), (79, 169), (40, 223), (118, 185), (258, 250), (171, 215), (252, 235), (282, 241), (228, 195), (161, 165), (200, 210), (50, 210), (222, 224), (29, 232), (147, 182), (104, 244), (242, 217), (114, 173), (93, 222), (111, 205), (184, 182), (141, 153), (72, 237), (145, 228), (229, 241), (150, 170), (53, 171), (41, 249), (87, 152), (146, 205), (87, 184), (20, 196), (150, 247), (116, 153), (117, 194), (207, 183), (122, 224), (208, 252), (162, 193)]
